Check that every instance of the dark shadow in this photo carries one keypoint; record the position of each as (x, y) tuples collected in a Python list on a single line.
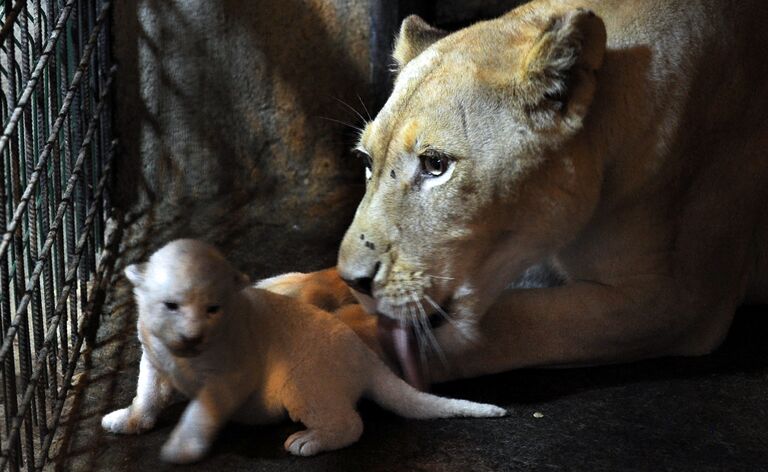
[(743, 351)]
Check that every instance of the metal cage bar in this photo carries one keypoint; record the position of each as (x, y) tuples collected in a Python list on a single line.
[(55, 156)]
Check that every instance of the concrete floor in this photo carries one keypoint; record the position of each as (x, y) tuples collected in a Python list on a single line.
[(707, 413)]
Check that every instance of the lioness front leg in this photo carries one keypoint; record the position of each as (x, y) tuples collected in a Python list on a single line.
[(152, 394), (205, 415), (581, 323)]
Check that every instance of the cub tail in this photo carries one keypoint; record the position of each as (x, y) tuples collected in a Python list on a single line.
[(394, 394)]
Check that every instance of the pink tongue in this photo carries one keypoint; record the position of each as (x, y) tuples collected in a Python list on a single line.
[(399, 342)]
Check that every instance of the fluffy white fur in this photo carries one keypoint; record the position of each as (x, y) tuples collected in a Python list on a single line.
[(253, 355)]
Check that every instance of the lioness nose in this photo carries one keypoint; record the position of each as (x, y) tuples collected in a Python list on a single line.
[(363, 284)]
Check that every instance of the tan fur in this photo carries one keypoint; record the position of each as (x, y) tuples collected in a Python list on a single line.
[(627, 147), (324, 290)]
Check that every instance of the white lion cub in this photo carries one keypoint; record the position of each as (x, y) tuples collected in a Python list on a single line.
[(251, 355)]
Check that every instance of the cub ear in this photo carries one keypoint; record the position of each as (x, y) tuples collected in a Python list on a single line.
[(241, 281), (135, 273), (414, 37), (557, 77)]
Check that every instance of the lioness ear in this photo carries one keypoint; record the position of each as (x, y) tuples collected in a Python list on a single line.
[(414, 37), (557, 77), (135, 273)]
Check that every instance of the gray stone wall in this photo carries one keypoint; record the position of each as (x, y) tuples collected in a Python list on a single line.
[(225, 115)]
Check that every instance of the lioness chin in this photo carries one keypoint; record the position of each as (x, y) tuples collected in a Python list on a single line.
[(623, 143)]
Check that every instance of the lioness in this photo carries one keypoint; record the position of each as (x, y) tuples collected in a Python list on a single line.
[(619, 145)]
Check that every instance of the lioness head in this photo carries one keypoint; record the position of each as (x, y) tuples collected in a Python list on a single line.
[(477, 166), (183, 293)]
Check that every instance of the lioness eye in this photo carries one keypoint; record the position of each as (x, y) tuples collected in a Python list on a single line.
[(171, 306), (213, 309), (367, 161), (434, 164)]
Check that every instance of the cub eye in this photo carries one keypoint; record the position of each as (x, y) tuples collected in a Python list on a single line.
[(434, 164), (213, 309), (367, 161), (171, 306)]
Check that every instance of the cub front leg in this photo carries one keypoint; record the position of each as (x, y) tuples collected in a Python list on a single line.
[(152, 395), (201, 421), (582, 323)]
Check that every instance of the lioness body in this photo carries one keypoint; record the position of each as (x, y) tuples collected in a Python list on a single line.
[(628, 149)]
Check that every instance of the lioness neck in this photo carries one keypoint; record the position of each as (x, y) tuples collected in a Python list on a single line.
[(656, 73)]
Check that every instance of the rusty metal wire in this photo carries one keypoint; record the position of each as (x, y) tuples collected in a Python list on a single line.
[(10, 17), (43, 352), (55, 254), (11, 126), (66, 201)]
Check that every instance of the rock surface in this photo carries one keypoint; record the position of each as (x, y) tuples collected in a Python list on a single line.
[(227, 115)]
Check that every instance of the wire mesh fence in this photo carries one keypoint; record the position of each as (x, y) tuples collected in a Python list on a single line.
[(56, 149)]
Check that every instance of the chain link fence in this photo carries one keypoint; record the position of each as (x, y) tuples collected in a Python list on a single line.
[(59, 234)]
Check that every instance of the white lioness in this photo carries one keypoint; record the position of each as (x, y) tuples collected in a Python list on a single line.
[(621, 144), (249, 354)]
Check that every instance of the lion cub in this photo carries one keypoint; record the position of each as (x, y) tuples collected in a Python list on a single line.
[(251, 355)]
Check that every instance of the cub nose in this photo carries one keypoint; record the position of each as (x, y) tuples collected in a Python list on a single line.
[(191, 341), (362, 284)]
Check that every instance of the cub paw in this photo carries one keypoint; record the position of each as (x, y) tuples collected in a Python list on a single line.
[(310, 442), (180, 449), (304, 443), (124, 422)]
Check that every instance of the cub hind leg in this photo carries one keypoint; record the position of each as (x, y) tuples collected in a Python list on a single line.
[(329, 414), (326, 430)]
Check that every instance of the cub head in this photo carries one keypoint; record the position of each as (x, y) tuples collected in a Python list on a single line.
[(183, 293), (478, 165)]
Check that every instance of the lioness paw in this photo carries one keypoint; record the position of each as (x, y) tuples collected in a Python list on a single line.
[(124, 422)]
